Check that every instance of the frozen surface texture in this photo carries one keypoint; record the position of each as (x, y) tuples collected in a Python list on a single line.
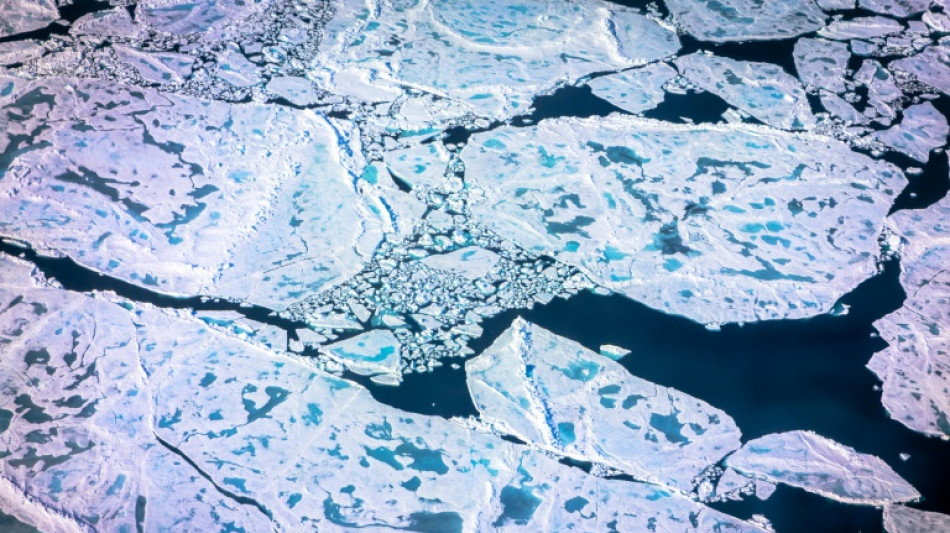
[(915, 368), (901, 519), (746, 20), (555, 394), (763, 90), (921, 130), (21, 17), (97, 171), (173, 423), (634, 90), (820, 465), (719, 224)]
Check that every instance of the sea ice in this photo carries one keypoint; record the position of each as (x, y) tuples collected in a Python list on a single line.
[(901, 519), (746, 20), (717, 223), (169, 422), (822, 466), (98, 172), (932, 66), (556, 394), (763, 90), (373, 352), (896, 8), (915, 367), (636, 90), (469, 262), (861, 28), (822, 63), (21, 16), (922, 130), (298, 91)]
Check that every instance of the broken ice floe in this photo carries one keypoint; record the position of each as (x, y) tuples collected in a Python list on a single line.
[(717, 223), (371, 353), (901, 519), (817, 464), (763, 90), (169, 421), (822, 63), (636, 90), (555, 394), (746, 20), (921, 130), (118, 179), (915, 367)]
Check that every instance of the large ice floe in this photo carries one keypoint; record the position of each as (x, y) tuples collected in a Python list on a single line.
[(915, 367), (174, 426), (746, 20), (98, 171), (555, 394), (820, 465), (717, 223)]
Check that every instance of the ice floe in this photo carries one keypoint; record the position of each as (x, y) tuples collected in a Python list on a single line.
[(822, 63), (717, 223), (554, 393), (636, 90), (374, 352), (746, 20), (902, 519), (470, 262), (763, 90), (861, 28), (21, 17), (895, 8), (820, 465), (915, 367), (921, 130), (170, 422), (932, 66)]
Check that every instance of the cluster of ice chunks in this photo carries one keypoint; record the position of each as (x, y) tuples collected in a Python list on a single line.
[(553, 393), (137, 407), (746, 20), (763, 90), (717, 223), (817, 464), (915, 367), (97, 171), (487, 59)]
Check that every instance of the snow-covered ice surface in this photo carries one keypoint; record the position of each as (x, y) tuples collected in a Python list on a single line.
[(746, 20), (173, 425), (817, 464), (22, 17), (553, 393), (635, 90), (717, 223), (921, 130), (901, 519), (822, 63), (915, 367)]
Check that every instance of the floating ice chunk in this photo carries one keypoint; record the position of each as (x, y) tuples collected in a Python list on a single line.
[(614, 352), (470, 262), (822, 63), (296, 90), (895, 8), (636, 90), (746, 20), (554, 393), (840, 108), (198, 205), (814, 463), (861, 28), (762, 90), (21, 16), (932, 66), (422, 164), (922, 130), (915, 367), (884, 97), (374, 352), (901, 519), (717, 223)]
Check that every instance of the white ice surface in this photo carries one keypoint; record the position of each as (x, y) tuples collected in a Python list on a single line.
[(901, 519), (895, 8), (921, 130), (820, 465), (554, 393), (470, 262), (932, 66), (861, 28), (822, 63), (746, 20), (373, 352), (763, 90), (19, 16), (915, 368), (717, 223), (636, 90)]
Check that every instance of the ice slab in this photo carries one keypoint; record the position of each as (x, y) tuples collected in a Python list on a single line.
[(374, 352), (820, 465), (901, 519), (763, 90), (182, 195), (21, 16), (556, 394), (636, 90), (746, 20), (418, 165), (895, 8), (298, 91), (717, 223), (932, 66), (861, 28), (921, 130), (822, 63), (915, 367), (170, 422), (835, 5), (470, 262), (486, 59)]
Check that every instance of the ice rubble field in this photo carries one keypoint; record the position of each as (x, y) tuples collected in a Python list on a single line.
[(372, 170)]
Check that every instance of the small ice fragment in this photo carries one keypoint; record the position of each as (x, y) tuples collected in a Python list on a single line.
[(614, 352)]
